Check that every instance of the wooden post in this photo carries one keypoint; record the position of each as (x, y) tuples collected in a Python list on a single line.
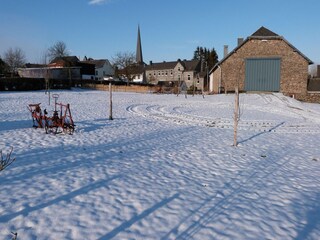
[(110, 102), (236, 116), (194, 88)]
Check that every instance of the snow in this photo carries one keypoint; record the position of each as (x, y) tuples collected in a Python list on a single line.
[(164, 168)]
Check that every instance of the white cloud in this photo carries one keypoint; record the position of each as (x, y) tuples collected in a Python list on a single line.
[(98, 2)]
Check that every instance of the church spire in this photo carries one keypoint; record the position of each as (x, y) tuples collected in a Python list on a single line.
[(139, 57)]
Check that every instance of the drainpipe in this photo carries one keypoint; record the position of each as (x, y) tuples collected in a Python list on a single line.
[(219, 87)]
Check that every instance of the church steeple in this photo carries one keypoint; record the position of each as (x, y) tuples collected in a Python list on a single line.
[(139, 57)]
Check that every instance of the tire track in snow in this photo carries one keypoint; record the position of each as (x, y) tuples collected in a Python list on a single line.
[(284, 103), (171, 114)]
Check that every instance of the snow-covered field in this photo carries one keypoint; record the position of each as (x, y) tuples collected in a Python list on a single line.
[(164, 168)]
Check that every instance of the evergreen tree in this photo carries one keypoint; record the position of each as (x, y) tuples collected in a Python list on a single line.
[(206, 55), (212, 58), (3, 67)]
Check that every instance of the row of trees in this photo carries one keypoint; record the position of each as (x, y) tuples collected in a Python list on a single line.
[(15, 58)]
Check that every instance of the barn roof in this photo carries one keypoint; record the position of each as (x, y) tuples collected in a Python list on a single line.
[(264, 32)]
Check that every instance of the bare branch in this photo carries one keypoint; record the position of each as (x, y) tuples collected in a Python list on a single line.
[(122, 60), (125, 64), (5, 162)]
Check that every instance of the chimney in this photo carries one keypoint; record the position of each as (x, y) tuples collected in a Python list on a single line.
[(240, 41), (150, 62), (225, 50)]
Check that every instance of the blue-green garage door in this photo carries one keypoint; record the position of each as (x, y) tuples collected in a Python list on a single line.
[(262, 74)]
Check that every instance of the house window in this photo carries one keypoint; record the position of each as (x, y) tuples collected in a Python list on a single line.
[(171, 72), (154, 73), (178, 68), (159, 73), (162, 73), (104, 73), (189, 78), (96, 72), (166, 73), (179, 77)]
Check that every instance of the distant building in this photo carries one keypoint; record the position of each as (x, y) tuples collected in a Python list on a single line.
[(60, 68), (183, 71), (103, 69), (315, 72), (139, 56), (87, 70)]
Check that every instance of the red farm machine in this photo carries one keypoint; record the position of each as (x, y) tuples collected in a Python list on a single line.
[(60, 121)]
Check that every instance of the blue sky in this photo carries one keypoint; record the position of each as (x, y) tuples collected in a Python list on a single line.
[(170, 29)]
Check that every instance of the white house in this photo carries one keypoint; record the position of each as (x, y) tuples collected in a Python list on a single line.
[(103, 68)]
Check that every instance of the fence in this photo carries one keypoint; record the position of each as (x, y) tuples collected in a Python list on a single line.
[(29, 84)]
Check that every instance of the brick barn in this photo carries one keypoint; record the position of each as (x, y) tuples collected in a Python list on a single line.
[(263, 62)]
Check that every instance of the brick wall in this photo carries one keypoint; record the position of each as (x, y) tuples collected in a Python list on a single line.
[(312, 97), (294, 68)]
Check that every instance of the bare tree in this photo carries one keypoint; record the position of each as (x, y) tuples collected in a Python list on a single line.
[(59, 49), (123, 59), (14, 58), (125, 64)]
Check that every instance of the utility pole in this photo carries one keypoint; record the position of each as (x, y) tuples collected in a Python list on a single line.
[(47, 82)]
